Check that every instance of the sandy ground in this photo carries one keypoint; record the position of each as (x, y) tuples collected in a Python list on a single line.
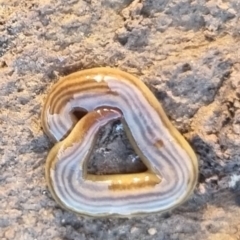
[(186, 51)]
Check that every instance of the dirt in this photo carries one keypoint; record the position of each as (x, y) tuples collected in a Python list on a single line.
[(186, 51)]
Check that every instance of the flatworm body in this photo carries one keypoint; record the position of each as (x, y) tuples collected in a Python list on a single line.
[(108, 94)]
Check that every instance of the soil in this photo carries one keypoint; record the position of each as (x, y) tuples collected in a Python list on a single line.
[(186, 51)]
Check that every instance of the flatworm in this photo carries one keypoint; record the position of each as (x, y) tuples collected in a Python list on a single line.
[(108, 94)]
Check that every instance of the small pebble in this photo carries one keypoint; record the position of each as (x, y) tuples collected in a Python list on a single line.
[(134, 229), (10, 234), (152, 231)]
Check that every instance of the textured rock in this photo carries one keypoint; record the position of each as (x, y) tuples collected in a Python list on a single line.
[(188, 54)]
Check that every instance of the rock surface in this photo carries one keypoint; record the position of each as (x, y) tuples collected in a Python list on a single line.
[(186, 51)]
